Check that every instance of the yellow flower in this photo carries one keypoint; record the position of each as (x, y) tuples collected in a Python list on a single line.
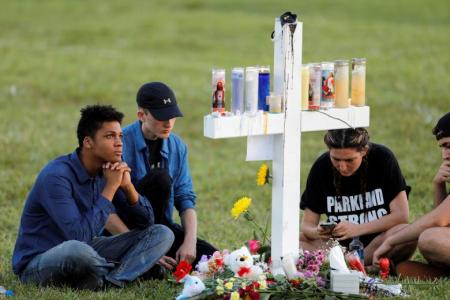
[(234, 296), (262, 284), (240, 206), (219, 290), (263, 175), (228, 285)]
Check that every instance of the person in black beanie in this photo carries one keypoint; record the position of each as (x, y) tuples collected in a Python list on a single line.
[(431, 231), (158, 159)]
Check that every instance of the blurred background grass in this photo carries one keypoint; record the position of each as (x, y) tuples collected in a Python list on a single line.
[(57, 56)]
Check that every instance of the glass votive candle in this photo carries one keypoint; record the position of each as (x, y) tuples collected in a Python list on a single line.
[(341, 83), (358, 81)]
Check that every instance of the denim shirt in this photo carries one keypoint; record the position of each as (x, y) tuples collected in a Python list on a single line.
[(66, 203), (174, 158)]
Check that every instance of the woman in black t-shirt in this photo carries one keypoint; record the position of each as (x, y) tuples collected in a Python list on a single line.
[(358, 185)]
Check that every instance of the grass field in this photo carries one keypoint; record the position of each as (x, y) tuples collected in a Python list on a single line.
[(57, 56)]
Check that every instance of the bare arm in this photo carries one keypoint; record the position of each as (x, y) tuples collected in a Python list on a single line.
[(310, 226), (188, 250), (438, 217), (399, 215)]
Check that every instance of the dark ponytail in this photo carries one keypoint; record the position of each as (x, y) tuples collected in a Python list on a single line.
[(347, 138)]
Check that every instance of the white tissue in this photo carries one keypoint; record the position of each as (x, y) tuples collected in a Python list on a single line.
[(337, 260)]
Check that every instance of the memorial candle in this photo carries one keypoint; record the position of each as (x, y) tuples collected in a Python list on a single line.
[(218, 90), (341, 83), (358, 81), (328, 93), (237, 85), (305, 87), (315, 86), (251, 90), (263, 87)]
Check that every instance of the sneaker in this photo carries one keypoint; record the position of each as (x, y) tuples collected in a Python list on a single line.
[(157, 272), (114, 282), (90, 282)]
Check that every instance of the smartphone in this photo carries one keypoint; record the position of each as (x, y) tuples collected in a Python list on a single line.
[(328, 225)]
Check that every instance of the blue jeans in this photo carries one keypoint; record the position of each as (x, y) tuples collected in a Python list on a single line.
[(117, 259)]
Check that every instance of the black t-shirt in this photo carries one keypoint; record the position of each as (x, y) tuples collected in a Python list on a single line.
[(354, 203), (154, 152)]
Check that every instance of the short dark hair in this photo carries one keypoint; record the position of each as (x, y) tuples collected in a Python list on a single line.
[(92, 119)]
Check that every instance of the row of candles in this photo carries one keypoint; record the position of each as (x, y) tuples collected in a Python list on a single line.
[(324, 85)]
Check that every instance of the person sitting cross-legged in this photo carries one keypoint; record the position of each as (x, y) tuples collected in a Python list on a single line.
[(431, 231), (60, 239)]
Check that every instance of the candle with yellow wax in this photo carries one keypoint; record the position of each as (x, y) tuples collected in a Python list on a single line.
[(358, 81), (305, 87)]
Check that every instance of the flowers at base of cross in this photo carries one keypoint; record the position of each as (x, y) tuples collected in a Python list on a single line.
[(234, 296), (310, 262), (384, 267), (182, 269), (209, 266), (354, 262), (240, 207), (254, 246), (309, 266), (263, 175)]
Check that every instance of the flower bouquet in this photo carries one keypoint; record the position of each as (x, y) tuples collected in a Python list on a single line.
[(245, 273)]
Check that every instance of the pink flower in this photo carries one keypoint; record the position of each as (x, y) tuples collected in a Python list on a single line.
[(320, 281), (300, 263), (253, 246), (308, 274), (313, 268), (320, 258)]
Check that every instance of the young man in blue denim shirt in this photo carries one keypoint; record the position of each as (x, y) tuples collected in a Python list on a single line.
[(77, 196), (153, 152)]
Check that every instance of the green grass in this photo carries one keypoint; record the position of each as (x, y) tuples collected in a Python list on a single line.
[(57, 56)]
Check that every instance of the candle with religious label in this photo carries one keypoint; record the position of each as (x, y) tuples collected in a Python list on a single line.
[(341, 83), (237, 86), (305, 87), (263, 87), (218, 90), (358, 81), (251, 90), (327, 99), (315, 86)]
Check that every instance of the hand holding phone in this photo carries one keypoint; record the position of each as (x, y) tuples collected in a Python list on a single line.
[(328, 226)]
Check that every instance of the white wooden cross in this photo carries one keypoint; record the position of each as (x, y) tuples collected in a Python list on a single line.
[(282, 134)]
